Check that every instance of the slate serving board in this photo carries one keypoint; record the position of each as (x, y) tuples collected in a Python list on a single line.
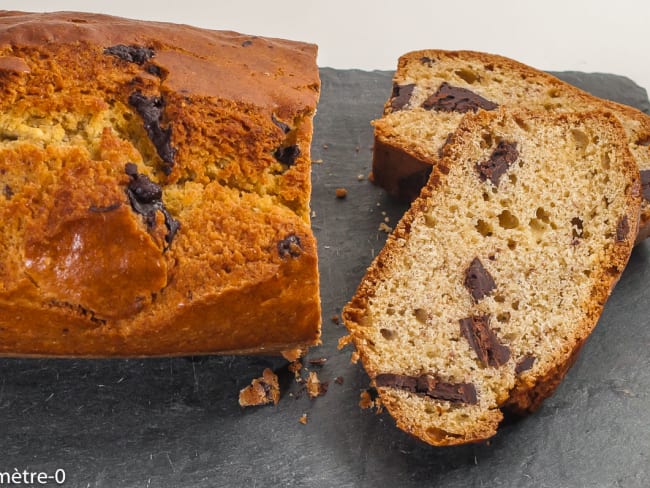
[(176, 422)]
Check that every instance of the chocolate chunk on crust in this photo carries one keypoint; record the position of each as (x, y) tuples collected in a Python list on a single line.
[(478, 280), (287, 155), (645, 183), (484, 341), (524, 364), (290, 246), (504, 155), (151, 111), (283, 127), (430, 386), (449, 98), (401, 96), (622, 229), (131, 54)]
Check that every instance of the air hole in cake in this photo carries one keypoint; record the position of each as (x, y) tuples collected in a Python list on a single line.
[(553, 93), (542, 215), (537, 226), (503, 317), (421, 315), (507, 220), (515, 305), (486, 196), (513, 178), (484, 228), (429, 221), (522, 124), (499, 298), (390, 311), (605, 161), (440, 435), (581, 139), (467, 75), (512, 245), (388, 334), (487, 140)]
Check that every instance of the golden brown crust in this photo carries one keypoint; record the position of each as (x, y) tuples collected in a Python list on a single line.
[(530, 387), (83, 272), (396, 165)]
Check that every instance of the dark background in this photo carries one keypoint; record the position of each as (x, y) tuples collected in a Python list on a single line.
[(177, 423)]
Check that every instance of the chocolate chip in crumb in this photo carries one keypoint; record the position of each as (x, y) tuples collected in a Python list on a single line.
[(131, 54), (645, 183), (290, 246), (622, 229), (287, 155), (448, 98), (430, 386), (246, 43), (401, 96), (108, 208), (427, 61), (7, 192), (153, 69), (524, 364), (283, 127), (151, 110), (478, 280), (577, 227), (441, 149), (503, 156), (644, 142), (144, 190), (484, 341)]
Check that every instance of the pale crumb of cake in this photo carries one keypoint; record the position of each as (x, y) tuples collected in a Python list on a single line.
[(354, 359), (325, 146), (341, 193), (386, 219), (317, 161), (365, 400), (303, 419), (261, 391), (292, 355), (313, 214), (385, 228), (344, 341), (360, 177), (313, 385), (295, 368)]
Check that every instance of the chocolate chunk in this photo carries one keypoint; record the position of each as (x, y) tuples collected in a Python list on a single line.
[(455, 99), (441, 149), (154, 70), (645, 183), (478, 280), (524, 364), (430, 386), (131, 54), (151, 111), (622, 229), (577, 224), (401, 96), (287, 155), (339, 380), (108, 208), (290, 246), (145, 197), (411, 185), (284, 127), (246, 43), (8, 192), (500, 160), (644, 142), (484, 341), (427, 61)]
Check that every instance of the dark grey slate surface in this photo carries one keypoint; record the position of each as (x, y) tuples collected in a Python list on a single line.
[(176, 423)]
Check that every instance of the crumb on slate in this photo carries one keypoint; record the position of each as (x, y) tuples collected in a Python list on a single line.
[(341, 193), (261, 391), (314, 386), (336, 319), (303, 419), (385, 228)]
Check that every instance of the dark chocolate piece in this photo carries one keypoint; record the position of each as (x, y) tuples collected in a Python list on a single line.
[(145, 197), (427, 61), (411, 185), (339, 380), (645, 183), (644, 142), (449, 98), (577, 230), (153, 70), (484, 341), (108, 208), (401, 96), (246, 43), (284, 127), (8, 192), (430, 386), (287, 155), (290, 246), (622, 229), (478, 280), (500, 160), (131, 54), (524, 364), (151, 111)]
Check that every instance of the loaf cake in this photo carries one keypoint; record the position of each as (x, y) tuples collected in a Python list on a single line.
[(155, 184), (433, 89), (491, 282)]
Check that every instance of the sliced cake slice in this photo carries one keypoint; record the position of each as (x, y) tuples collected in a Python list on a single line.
[(492, 281), (432, 91)]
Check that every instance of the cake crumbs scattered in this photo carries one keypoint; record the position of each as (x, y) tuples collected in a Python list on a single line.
[(314, 386), (336, 319), (357, 148), (338, 380), (341, 193), (313, 214), (385, 228), (386, 219), (318, 361), (371, 177), (261, 391), (317, 161), (295, 368), (354, 359), (360, 177), (303, 419), (370, 398), (292, 355), (383, 212), (344, 341), (325, 146)]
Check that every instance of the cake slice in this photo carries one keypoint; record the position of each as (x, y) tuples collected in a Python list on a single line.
[(155, 185), (433, 89), (496, 275)]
